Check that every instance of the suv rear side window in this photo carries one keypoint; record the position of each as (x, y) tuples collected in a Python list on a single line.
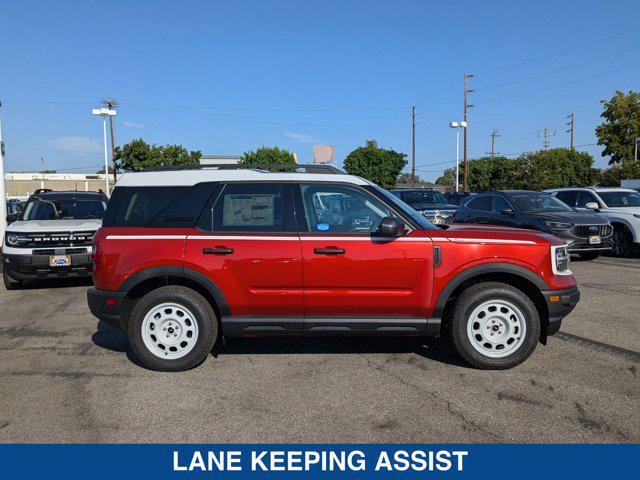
[(250, 207), (158, 206), (480, 203)]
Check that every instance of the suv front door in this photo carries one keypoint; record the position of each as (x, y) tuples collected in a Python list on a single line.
[(247, 244), (353, 280)]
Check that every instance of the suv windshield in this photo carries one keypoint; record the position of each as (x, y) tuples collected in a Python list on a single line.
[(538, 203), (423, 198), (64, 209), (621, 199)]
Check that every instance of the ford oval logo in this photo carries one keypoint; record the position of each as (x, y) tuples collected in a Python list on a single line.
[(593, 229)]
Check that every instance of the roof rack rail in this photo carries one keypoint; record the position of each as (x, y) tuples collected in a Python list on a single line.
[(239, 166)]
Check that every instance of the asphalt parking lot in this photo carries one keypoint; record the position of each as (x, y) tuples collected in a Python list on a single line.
[(68, 378)]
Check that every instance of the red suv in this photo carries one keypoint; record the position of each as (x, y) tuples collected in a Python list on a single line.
[(187, 256)]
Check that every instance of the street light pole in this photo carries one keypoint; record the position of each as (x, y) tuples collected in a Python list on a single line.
[(457, 126), (104, 113), (3, 191)]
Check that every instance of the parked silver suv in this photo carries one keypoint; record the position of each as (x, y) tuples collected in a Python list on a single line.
[(620, 205)]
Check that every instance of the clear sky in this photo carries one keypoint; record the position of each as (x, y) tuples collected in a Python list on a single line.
[(226, 77)]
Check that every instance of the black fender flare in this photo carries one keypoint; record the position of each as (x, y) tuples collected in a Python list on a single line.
[(182, 272), (483, 269)]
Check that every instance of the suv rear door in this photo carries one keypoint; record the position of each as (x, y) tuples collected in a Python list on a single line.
[(354, 280), (248, 245)]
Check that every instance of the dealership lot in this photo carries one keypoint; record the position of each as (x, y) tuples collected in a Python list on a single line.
[(68, 378)]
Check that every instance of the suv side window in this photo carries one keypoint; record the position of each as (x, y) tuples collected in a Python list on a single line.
[(584, 198), (250, 207), (331, 208), (570, 198), (157, 206), (499, 204), (480, 203)]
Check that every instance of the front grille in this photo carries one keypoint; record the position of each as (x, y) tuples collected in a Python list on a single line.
[(589, 230), (65, 251), (56, 239)]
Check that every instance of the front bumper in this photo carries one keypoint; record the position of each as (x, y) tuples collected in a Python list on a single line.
[(560, 303), (576, 244), (108, 306), (36, 266)]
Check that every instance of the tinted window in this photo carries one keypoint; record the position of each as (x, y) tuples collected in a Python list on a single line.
[(338, 208), (584, 198), (250, 207), (570, 198), (67, 208), (538, 202), (159, 206), (499, 204), (423, 198), (402, 207), (621, 199), (480, 203)]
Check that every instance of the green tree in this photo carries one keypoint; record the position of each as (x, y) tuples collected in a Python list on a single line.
[(269, 155), (138, 154), (621, 126), (378, 165), (558, 167), (488, 173)]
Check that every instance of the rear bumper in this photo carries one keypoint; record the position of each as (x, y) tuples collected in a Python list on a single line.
[(107, 306), (32, 267), (560, 303)]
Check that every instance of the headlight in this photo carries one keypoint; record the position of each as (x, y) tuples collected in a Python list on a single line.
[(11, 239), (557, 225), (560, 259)]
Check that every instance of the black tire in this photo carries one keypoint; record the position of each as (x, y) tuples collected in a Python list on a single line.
[(622, 242), (474, 296), (204, 315), (589, 256), (9, 283)]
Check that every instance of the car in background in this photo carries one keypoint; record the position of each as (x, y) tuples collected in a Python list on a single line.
[(587, 234), (51, 237), (456, 198), (14, 206), (620, 205), (431, 204)]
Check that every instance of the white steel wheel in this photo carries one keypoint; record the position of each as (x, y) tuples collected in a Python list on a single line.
[(496, 328), (169, 331)]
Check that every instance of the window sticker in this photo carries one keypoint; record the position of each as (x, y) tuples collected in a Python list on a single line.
[(322, 226), (242, 210)]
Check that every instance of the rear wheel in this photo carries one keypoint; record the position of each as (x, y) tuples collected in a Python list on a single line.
[(622, 242), (9, 283), (172, 328), (494, 326)]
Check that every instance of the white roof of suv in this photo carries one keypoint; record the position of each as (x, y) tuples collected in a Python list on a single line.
[(595, 189), (190, 177)]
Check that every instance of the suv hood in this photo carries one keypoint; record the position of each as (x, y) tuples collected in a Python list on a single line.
[(54, 225), (434, 206), (577, 218), (629, 210), (463, 232)]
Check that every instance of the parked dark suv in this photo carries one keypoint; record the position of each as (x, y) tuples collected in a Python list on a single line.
[(431, 204), (587, 234)]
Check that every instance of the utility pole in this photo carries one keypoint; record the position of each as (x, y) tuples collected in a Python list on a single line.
[(467, 76), (545, 134), (493, 135), (571, 125), (413, 146), (111, 104), (3, 191)]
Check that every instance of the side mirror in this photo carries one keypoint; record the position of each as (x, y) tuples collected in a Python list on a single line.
[(592, 206), (391, 227), (12, 218), (508, 211)]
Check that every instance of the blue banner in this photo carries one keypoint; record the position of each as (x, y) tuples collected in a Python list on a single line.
[(318, 461)]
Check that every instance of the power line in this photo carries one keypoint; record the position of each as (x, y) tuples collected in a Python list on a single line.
[(560, 84), (563, 52)]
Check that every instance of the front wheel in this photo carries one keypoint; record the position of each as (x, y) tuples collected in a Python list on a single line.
[(622, 242), (494, 326), (172, 329)]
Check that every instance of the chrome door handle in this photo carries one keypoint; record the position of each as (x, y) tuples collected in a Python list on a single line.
[(217, 251)]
